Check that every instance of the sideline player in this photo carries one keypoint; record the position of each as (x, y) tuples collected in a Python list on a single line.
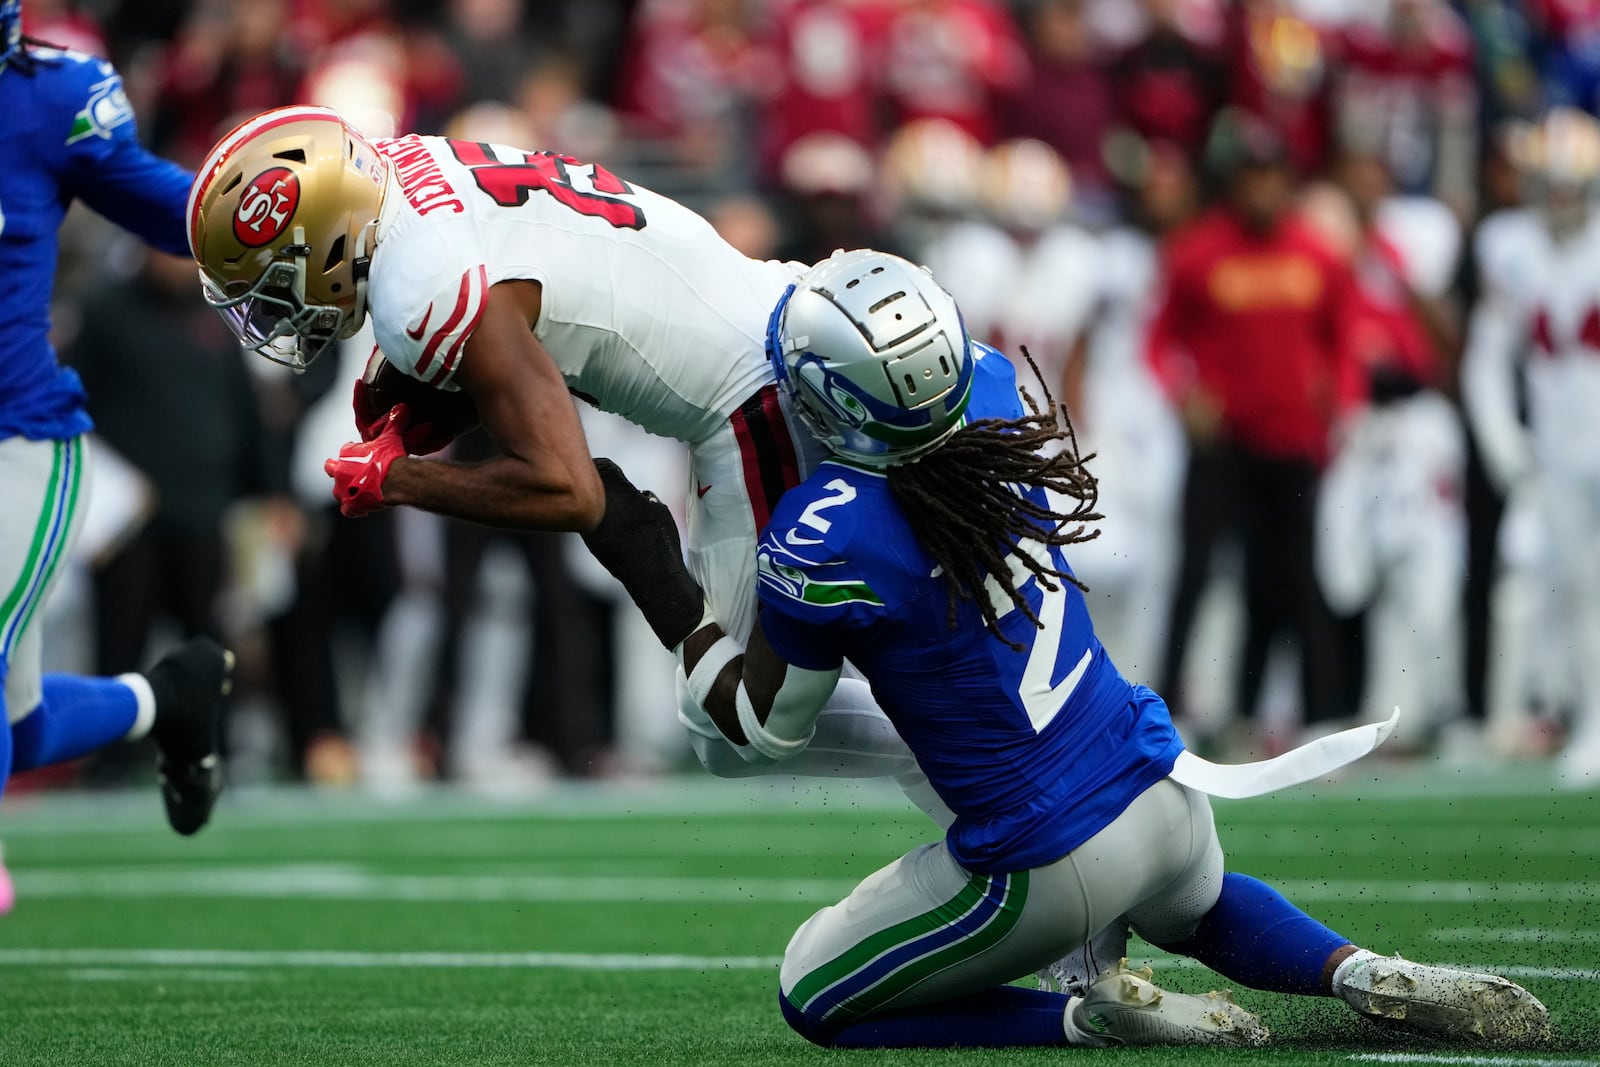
[(928, 549), (1542, 312), (510, 278), (69, 133)]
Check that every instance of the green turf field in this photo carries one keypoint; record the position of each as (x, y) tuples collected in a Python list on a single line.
[(642, 926)]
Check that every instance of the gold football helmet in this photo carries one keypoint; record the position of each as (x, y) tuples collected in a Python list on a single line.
[(282, 219), (1561, 159)]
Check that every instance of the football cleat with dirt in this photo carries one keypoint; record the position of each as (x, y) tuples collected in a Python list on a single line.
[(1124, 1007), (1445, 1002)]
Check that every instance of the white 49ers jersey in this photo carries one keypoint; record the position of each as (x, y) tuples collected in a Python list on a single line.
[(1541, 306), (646, 311)]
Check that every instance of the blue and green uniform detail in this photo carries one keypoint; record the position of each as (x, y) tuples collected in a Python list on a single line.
[(885, 965), (46, 547), (840, 573), (68, 134)]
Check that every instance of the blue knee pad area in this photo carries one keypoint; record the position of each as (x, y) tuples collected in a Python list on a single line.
[(1256, 937)]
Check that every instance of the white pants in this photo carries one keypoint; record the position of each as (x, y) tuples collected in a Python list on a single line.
[(735, 479), (45, 482), (1569, 504), (923, 929), (1392, 538)]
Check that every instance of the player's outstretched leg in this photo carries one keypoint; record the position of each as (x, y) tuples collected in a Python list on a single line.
[(178, 702), (1256, 937), (1440, 1001), (189, 685), (1124, 1007)]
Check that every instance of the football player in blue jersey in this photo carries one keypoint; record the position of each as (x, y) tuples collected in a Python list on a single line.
[(68, 133), (928, 551)]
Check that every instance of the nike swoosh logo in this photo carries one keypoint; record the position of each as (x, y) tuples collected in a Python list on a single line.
[(801, 541), (355, 459), (422, 327), (701, 490)]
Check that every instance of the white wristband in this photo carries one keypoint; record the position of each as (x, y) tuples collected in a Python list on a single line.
[(760, 738), (705, 673)]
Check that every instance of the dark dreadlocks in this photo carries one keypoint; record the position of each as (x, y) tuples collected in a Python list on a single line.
[(965, 501)]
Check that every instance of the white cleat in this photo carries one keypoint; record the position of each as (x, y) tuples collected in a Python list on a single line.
[(1124, 1007), (1445, 1002)]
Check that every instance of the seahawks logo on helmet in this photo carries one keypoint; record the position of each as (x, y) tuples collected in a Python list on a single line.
[(834, 390)]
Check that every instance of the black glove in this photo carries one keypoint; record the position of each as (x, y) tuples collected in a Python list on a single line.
[(637, 541)]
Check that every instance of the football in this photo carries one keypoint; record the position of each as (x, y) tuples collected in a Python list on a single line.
[(437, 416)]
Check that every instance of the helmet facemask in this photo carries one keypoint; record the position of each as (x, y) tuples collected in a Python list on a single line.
[(272, 317), (283, 218)]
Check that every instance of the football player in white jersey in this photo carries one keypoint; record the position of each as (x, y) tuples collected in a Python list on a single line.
[(510, 278), (1541, 310)]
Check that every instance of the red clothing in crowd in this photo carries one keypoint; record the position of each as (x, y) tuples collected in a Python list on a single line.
[(1260, 323), (950, 59), (824, 51), (1395, 92), (683, 68), (1167, 88), (1279, 72), (1386, 330)]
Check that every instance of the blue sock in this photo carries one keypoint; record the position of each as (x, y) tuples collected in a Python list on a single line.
[(76, 717), (1004, 1017), (1257, 938)]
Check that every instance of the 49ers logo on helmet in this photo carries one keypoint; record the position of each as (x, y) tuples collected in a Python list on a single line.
[(266, 206)]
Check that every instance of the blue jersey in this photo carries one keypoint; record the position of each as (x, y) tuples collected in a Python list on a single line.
[(67, 131), (1035, 751)]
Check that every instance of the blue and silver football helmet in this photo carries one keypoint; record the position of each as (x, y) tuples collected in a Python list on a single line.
[(10, 30), (874, 357)]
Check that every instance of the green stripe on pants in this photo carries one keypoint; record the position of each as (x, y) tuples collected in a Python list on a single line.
[(75, 457), (41, 530), (917, 970)]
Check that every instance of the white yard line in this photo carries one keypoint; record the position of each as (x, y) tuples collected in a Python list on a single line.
[(188, 960), (153, 974), (1160, 960), (1520, 935), (1469, 1061), (337, 882), (687, 796), (79, 958), (351, 882)]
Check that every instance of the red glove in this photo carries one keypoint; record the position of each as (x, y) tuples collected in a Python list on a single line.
[(436, 416), (359, 469)]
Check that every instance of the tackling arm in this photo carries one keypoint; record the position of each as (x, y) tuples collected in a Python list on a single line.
[(765, 707), (545, 480)]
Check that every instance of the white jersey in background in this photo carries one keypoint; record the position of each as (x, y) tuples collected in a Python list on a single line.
[(647, 312), (1541, 311)]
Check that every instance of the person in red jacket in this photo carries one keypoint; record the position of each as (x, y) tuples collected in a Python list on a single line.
[(1250, 342)]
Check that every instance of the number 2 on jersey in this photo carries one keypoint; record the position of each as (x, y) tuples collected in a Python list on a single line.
[(510, 184)]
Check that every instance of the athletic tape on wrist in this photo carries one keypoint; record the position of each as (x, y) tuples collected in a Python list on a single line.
[(708, 617), (705, 673), (761, 739)]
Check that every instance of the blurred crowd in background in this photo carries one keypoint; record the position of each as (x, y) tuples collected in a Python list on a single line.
[(1240, 238)]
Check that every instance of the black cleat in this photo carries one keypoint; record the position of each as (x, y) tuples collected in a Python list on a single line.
[(189, 685)]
